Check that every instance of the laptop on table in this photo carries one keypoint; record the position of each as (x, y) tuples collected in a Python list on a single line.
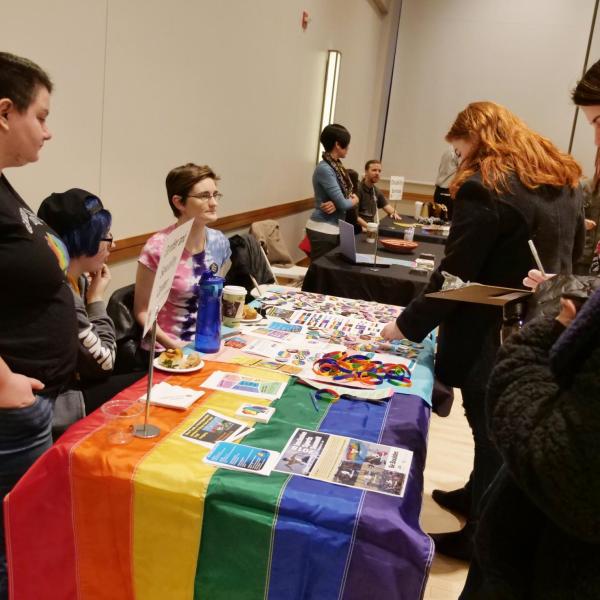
[(349, 254)]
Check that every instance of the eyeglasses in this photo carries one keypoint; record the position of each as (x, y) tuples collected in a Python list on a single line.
[(206, 196), (109, 238)]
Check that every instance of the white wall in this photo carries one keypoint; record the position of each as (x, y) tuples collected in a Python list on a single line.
[(145, 85), (524, 55)]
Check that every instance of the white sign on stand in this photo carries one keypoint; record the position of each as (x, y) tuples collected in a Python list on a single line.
[(165, 272), (163, 280), (396, 187)]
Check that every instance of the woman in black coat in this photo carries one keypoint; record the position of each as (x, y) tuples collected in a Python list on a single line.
[(512, 185), (539, 533)]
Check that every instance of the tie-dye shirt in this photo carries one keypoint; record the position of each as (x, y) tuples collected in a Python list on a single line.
[(177, 317)]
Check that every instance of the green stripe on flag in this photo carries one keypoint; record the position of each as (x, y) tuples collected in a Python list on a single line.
[(240, 509)]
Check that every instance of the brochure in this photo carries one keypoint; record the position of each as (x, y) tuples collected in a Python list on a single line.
[(213, 427), (245, 385), (256, 412), (240, 457), (346, 461)]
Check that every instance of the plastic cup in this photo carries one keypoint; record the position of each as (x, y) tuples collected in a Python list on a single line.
[(121, 417), (418, 209), (234, 298), (409, 234)]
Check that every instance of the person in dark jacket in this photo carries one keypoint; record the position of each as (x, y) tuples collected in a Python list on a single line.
[(539, 533), (500, 203)]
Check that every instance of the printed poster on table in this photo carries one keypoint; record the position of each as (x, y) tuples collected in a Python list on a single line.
[(212, 427), (396, 187), (346, 461), (239, 457), (245, 385)]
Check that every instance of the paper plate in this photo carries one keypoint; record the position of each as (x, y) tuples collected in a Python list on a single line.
[(256, 319), (157, 365)]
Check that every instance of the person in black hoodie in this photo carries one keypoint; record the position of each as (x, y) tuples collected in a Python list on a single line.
[(500, 202)]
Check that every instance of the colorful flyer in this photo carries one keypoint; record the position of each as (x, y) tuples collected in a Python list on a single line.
[(245, 385), (240, 457), (347, 461), (256, 412), (213, 427)]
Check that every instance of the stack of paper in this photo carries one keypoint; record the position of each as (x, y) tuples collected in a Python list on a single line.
[(173, 396)]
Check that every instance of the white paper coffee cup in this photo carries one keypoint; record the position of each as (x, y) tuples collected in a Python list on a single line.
[(234, 298), (371, 232)]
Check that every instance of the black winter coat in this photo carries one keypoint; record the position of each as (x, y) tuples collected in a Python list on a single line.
[(539, 533), (487, 244)]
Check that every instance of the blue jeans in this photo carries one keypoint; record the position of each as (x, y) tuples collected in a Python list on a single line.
[(25, 434)]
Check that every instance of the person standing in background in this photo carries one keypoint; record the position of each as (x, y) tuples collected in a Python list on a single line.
[(330, 183), (446, 172), (591, 205)]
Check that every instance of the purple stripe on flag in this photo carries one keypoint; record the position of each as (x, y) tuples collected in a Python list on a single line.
[(391, 556)]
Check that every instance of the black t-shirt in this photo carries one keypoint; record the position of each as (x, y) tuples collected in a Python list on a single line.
[(38, 325), (367, 197)]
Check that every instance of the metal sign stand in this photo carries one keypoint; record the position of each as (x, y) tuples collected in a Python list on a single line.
[(147, 430)]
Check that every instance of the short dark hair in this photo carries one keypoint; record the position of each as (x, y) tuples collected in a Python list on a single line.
[(373, 161), (353, 178), (334, 133), (181, 180), (85, 239), (20, 79), (587, 91)]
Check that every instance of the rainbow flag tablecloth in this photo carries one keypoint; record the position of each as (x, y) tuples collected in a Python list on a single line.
[(151, 521)]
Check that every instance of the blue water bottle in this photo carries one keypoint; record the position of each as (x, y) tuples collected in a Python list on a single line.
[(208, 322)]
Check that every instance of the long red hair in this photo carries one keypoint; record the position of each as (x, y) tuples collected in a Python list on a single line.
[(503, 144)]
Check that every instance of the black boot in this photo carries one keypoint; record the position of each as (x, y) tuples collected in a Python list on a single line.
[(456, 544), (458, 501)]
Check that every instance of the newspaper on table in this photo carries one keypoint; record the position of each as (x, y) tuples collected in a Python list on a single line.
[(346, 461)]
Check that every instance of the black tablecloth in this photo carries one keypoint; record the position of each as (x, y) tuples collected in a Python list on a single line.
[(396, 284), (390, 228)]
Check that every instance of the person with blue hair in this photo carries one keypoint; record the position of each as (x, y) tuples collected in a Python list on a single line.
[(84, 224)]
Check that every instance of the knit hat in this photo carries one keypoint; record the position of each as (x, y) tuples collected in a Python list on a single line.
[(66, 211)]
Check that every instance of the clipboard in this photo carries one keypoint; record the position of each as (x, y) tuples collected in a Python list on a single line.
[(477, 293)]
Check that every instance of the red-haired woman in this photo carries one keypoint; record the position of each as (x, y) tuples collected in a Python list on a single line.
[(511, 185)]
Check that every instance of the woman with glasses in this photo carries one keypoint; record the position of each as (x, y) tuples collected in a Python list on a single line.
[(192, 193), (84, 225)]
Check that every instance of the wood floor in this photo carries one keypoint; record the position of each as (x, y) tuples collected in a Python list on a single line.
[(449, 461)]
